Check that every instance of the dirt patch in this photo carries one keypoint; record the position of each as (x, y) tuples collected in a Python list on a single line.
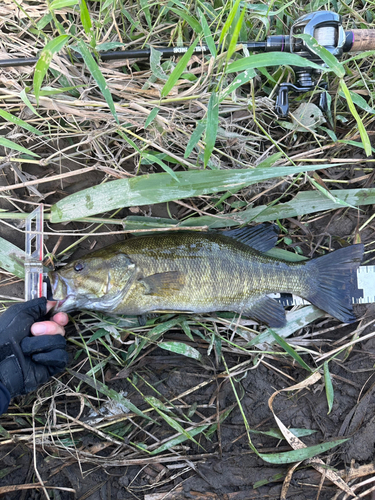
[(223, 464)]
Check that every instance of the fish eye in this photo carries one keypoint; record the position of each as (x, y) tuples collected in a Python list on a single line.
[(78, 267)]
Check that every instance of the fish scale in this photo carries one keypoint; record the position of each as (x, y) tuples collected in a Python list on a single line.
[(218, 276)]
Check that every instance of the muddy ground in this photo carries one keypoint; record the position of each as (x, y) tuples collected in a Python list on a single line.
[(228, 469)]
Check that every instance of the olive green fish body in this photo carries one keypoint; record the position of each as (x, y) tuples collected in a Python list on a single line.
[(195, 272), (201, 275)]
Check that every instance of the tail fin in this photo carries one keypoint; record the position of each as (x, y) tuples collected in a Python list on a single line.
[(334, 276)]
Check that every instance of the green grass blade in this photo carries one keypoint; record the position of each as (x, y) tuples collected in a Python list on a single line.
[(99, 78), (268, 162), (329, 386), (361, 127), (181, 348), (17, 121), (195, 136), (305, 202), (6, 143), (178, 70), (12, 258), (176, 426), (330, 195), (62, 4), (289, 457), (170, 421), (154, 159), (154, 334), (146, 10), (26, 100), (129, 141), (270, 59), (151, 116), (86, 22), (186, 329), (330, 60), (240, 79), (276, 433), (354, 143), (161, 187), (44, 61), (178, 440), (212, 126), (359, 101), (42, 23), (289, 350), (85, 17), (229, 21), (235, 35), (208, 39), (188, 18)]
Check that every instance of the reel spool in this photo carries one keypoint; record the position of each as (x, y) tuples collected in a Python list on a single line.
[(325, 27)]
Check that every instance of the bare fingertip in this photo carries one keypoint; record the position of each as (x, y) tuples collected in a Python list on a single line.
[(61, 318)]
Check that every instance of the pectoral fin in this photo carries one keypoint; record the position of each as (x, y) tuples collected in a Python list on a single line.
[(163, 283), (267, 311)]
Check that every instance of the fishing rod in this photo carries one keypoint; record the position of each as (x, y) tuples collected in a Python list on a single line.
[(325, 26)]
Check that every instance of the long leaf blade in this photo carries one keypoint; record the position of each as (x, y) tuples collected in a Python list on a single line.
[(62, 4), (12, 258), (207, 34), (229, 21), (12, 145), (98, 76), (181, 348), (271, 59), (154, 159), (329, 386), (361, 127), (158, 188), (301, 454), (324, 54), (212, 126), (236, 33), (287, 348), (44, 61), (177, 72)]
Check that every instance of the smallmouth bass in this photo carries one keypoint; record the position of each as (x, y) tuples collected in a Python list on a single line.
[(205, 272)]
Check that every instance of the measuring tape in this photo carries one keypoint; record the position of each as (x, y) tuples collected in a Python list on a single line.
[(35, 287), (363, 289)]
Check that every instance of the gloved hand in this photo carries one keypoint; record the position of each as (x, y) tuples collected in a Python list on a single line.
[(27, 361)]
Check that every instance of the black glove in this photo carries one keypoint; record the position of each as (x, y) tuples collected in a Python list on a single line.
[(27, 361)]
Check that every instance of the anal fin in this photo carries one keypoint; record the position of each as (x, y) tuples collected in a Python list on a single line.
[(163, 283), (267, 311)]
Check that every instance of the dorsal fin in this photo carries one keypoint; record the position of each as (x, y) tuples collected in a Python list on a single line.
[(262, 237)]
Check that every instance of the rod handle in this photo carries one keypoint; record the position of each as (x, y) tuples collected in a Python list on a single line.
[(360, 40)]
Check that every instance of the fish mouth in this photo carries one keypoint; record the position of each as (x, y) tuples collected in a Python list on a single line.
[(60, 292), (60, 303)]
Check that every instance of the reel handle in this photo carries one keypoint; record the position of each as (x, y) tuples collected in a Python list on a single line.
[(359, 40)]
